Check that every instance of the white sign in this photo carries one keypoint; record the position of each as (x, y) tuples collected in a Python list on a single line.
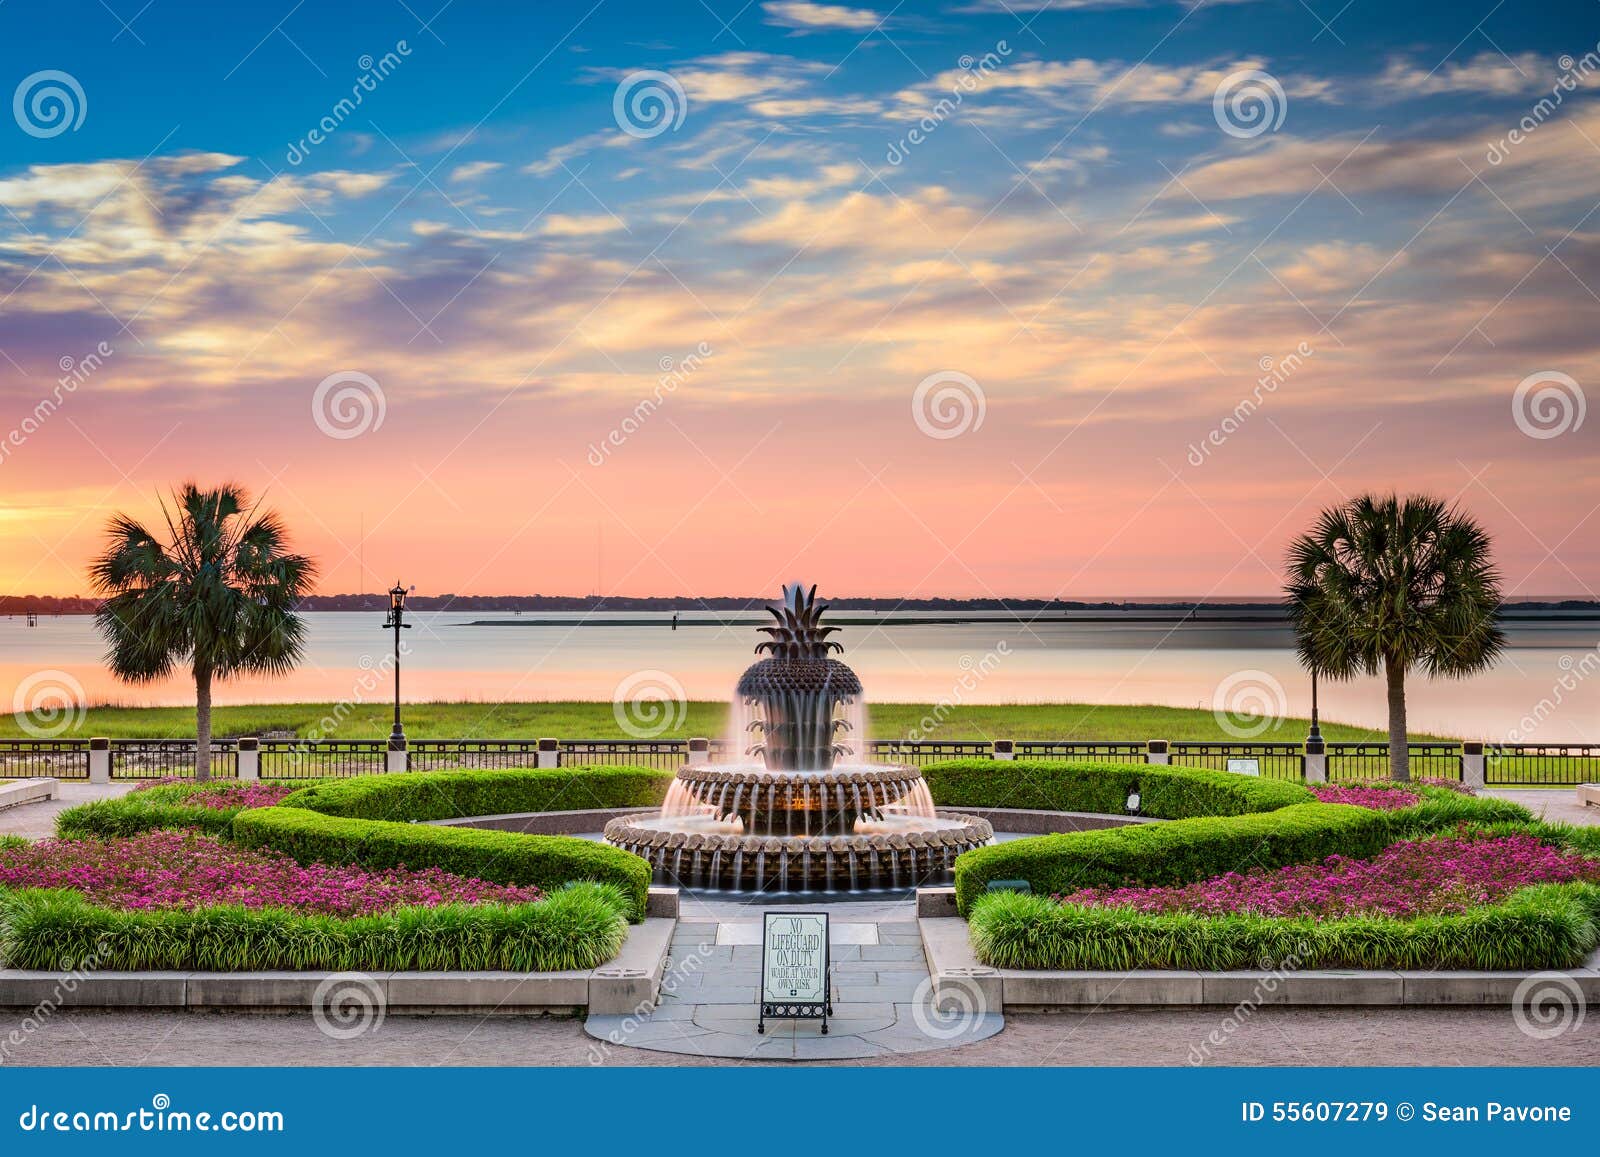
[(1245, 766), (794, 958)]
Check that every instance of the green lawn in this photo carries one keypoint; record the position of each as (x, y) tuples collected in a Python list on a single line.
[(578, 720)]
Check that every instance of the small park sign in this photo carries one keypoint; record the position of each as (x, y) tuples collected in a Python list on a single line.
[(794, 967), (1245, 766)]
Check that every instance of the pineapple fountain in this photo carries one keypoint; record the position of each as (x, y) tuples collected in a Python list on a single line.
[(810, 815)]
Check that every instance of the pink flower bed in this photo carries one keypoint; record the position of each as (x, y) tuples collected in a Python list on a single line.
[(1378, 798), (185, 869), (225, 796), (1411, 878)]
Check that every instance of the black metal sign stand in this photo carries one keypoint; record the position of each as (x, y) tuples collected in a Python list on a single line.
[(796, 1009)]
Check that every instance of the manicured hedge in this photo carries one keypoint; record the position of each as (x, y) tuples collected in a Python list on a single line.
[(59, 930), (1164, 792), (1176, 852), (500, 857), (443, 795), (130, 815), (1547, 926)]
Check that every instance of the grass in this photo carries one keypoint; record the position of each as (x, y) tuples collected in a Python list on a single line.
[(580, 927), (1546, 926), (597, 720)]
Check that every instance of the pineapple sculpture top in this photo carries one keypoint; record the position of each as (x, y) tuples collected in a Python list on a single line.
[(796, 690)]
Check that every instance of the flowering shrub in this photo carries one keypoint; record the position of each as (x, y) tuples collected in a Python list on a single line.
[(1444, 876), (167, 869), (1378, 798), (217, 796)]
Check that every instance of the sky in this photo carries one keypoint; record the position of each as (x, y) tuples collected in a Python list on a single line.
[(975, 297)]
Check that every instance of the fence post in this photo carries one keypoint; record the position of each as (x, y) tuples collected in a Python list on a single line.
[(699, 751), (99, 761), (249, 757), (1155, 751), (1472, 762), (549, 754), (396, 757), (1004, 749), (1316, 761)]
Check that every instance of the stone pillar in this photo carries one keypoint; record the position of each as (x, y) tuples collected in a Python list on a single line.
[(549, 754), (699, 751), (99, 761), (1472, 765), (1316, 761), (249, 758), (1005, 749), (396, 758), (1155, 751)]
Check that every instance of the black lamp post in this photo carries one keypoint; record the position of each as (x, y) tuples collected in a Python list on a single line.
[(397, 606), (1314, 740)]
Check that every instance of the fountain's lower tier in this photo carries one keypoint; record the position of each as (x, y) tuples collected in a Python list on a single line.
[(745, 829)]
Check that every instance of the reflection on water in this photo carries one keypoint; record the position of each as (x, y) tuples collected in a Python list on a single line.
[(1055, 661)]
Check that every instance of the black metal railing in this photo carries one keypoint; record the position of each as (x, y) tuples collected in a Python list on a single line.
[(55, 758), (1505, 764), (483, 754), (322, 758), (1348, 761), (1510, 764), (159, 758), (1110, 752), (1269, 760), (918, 752), (666, 754)]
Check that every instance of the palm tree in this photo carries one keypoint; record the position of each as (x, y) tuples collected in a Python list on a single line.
[(219, 597), (1388, 584)]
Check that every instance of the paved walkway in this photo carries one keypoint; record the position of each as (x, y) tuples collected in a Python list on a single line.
[(882, 996), (37, 821)]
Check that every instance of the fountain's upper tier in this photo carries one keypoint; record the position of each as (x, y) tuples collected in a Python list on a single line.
[(795, 690)]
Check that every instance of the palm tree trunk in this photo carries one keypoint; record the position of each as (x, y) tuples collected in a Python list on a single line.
[(1399, 755), (202, 720)]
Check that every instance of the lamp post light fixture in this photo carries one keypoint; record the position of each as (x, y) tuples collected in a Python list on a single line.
[(395, 621)]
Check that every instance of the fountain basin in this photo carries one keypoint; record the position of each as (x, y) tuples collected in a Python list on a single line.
[(896, 852)]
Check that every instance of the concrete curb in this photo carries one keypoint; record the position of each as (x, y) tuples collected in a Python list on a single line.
[(958, 976), (16, 792), (630, 981)]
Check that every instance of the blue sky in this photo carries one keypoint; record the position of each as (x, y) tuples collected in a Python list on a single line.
[(1055, 203)]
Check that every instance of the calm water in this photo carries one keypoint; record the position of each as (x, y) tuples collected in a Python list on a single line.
[(1000, 660)]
